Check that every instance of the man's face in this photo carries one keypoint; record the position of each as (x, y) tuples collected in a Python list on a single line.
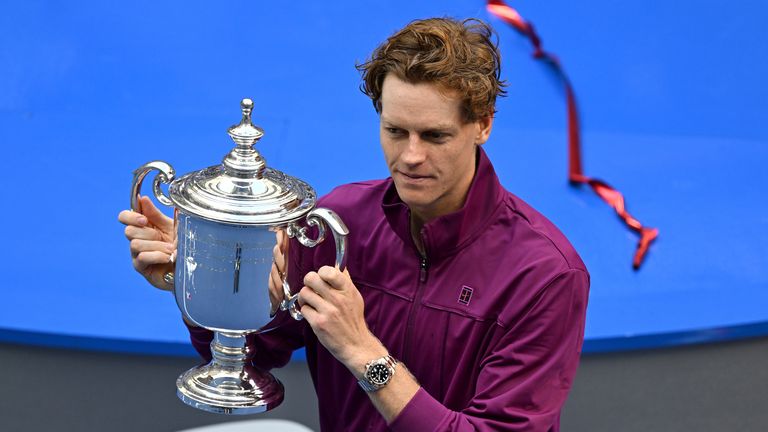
[(429, 149)]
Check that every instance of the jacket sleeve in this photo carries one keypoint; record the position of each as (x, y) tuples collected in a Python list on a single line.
[(525, 376), (267, 350), (272, 348)]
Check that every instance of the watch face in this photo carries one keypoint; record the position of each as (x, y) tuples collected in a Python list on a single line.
[(378, 374)]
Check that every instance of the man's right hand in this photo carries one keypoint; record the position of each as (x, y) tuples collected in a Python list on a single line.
[(152, 241)]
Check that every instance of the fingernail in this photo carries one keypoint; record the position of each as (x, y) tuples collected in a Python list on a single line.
[(142, 220)]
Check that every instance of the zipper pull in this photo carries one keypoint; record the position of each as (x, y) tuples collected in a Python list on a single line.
[(423, 269)]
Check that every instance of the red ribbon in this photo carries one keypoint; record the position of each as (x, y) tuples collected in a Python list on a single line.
[(613, 197)]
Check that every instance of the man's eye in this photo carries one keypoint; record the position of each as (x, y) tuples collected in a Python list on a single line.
[(435, 136), (394, 131)]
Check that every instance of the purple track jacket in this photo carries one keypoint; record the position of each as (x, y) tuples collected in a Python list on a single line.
[(490, 322)]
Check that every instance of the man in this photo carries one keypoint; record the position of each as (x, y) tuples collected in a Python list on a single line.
[(462, 307)]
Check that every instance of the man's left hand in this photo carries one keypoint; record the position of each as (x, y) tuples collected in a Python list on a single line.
[(334, 308)]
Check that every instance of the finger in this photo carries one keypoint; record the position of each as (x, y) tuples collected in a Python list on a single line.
[(278, 258), (282, 240), (275, 286), (274, 303), (138, 246), (310, 314), (128, 217), (275, 298), (146, 259), (333, 277), (142, 233), (316, 283), (154, 215), (275, 277), (307, 296)]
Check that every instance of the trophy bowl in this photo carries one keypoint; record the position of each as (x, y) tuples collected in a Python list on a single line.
[(227, 218)]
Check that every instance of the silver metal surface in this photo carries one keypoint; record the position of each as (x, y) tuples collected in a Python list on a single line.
[(222, 274), (244, 160), (165, 175), (216, 195), (229, 384), (319, 217), (226, 220), (243, 190), (372, 378)]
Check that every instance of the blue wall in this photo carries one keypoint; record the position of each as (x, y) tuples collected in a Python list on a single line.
[(673, 104)]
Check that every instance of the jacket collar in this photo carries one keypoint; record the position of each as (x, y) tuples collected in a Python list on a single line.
[(447, 234)]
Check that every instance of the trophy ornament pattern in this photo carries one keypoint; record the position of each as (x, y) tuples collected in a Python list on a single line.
[(609, 194)]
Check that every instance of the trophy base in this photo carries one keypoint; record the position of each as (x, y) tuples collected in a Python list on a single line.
[(226, 390)]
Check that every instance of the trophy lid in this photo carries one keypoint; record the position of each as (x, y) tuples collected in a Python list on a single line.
[(243, 190)]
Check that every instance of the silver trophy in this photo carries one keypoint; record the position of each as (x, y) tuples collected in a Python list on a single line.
[(226, 219)]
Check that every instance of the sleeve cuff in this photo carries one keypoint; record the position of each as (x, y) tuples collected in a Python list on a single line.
[(422, 413), (201, 340)]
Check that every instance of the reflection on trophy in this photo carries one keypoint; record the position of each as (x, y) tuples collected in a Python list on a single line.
[(226, 218)]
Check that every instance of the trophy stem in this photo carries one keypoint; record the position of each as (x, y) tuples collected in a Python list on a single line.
[(229, 384), (229, 348)]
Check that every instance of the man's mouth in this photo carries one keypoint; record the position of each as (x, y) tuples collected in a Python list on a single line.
[(414, 176)]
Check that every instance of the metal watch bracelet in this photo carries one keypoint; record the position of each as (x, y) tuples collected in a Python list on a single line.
[(378, 373)]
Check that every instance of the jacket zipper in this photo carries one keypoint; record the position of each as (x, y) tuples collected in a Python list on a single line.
[(423, 274), (423, 270)]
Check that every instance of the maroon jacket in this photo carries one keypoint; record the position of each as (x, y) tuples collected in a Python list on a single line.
[(490, 323)]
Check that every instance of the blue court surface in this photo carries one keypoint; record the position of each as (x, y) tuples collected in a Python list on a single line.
[(672, 98)]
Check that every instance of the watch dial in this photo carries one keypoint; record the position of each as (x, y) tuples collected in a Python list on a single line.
[(378, 374)]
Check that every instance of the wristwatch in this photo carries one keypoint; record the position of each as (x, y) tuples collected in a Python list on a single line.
[(378, 373)]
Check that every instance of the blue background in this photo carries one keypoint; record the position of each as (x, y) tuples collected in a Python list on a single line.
[(672, 97)]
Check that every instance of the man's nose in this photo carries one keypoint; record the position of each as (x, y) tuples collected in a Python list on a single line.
[(415, 151)]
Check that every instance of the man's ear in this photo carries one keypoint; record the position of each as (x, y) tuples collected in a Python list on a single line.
[(484, 126)]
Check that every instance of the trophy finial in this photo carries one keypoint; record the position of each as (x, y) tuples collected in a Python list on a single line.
[(244, 159), (245, 134), (247, 106)]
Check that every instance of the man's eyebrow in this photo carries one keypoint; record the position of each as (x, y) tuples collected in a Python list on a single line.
[(387, 120), (440, 127)]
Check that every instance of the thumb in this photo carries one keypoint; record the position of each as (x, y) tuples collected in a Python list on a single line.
[(154, 215)]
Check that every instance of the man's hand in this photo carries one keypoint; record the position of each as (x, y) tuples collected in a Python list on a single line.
[(334, 308), (277, 274), (152, 241)]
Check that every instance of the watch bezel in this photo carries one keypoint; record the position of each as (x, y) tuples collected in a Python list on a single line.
[(378, 373)]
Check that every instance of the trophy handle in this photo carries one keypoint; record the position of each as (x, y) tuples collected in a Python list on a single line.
[(320, 218), (165, 175)]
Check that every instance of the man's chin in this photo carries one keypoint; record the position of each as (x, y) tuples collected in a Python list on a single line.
[(412, 200)]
